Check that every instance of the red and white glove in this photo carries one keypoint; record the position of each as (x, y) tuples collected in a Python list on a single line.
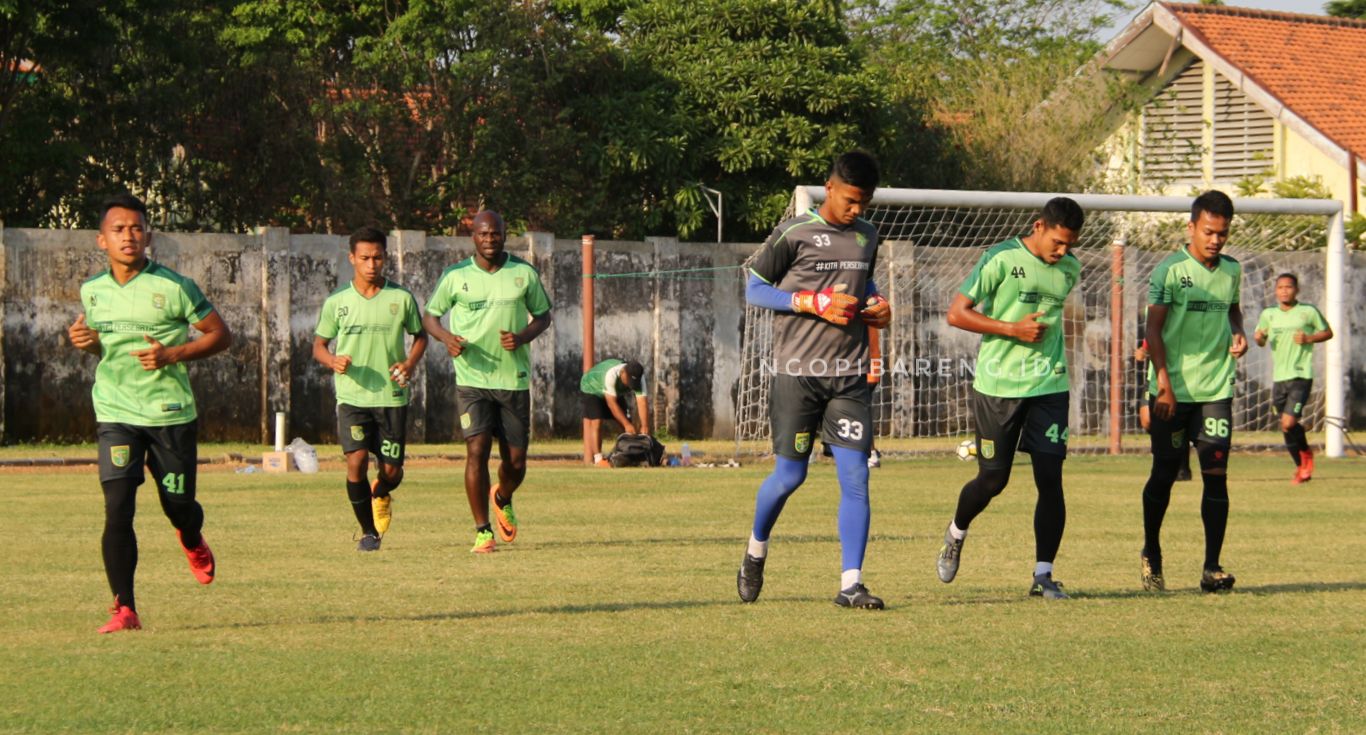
[(830, 304), (877, 313)]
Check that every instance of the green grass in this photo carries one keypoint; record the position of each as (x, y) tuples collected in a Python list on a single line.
[(615, 611)]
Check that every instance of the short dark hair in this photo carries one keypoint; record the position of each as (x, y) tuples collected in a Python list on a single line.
[(369, 234), (1213, 201), (858, 169), (634, 369), (1293, 278), (123, 200), (1062, 211)]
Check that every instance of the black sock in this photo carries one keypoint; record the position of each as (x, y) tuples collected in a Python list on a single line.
[(484, 528), (1157, 495), (1214, 514), (1301, 441), (119, 544), (188, 518), (977, 494), (1050, 512), (1293, 439), (382, 487), (359, 494)]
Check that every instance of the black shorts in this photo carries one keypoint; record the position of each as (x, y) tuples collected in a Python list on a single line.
[(839, 407), (1291, 396), (381, 430), (506, 413), (171, 453), (1210, 422), (1037, 424)]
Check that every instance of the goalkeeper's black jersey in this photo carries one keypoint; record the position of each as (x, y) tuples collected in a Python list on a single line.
[(806, 253)]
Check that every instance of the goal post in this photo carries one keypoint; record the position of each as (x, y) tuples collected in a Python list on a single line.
[(932, 238)]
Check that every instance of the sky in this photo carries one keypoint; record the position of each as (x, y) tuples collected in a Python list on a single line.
[(1313, 7)]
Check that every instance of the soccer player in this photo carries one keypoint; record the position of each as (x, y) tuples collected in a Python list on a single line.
[(369, 318), (1195, 337), (815, 272), (489, 296), (137, 316), (603, 390), (1019, 395), (1293, 329)]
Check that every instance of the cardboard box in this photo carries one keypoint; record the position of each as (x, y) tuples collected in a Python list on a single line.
[(278, 462)]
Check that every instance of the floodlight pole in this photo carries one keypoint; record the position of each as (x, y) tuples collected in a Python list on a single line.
[(708, 193)]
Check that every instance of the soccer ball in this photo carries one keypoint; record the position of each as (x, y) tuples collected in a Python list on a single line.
[(967, 449)]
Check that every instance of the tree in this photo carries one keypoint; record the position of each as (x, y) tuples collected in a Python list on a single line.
[(995, 85), (758, 95), (1346, 8)]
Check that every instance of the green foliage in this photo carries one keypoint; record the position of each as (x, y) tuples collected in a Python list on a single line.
[(1356, 231), (1292, 232), (1346, 8), (991, 88), (567, 115), (763, 95)]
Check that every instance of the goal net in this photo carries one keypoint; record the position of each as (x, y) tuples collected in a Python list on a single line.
[(930, 241)]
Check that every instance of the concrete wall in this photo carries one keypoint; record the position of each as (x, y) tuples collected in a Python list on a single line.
[(676, 307), (269, 286)]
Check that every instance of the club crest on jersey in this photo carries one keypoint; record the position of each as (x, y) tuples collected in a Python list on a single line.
[(158, 301), (861, 239), (358, 433), (119, 455), (93, 300), (988, 448), (802, 443), (519, 281), (393, 309)]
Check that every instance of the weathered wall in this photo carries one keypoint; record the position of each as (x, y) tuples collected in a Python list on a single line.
[(269, 286), (676, 307)]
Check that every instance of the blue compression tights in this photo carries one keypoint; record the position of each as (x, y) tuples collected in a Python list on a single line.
[(851, 466)]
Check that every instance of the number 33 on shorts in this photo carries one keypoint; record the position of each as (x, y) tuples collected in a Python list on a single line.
[(852, 430)]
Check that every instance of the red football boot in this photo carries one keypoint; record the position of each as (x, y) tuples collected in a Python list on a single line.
[(201, 559)]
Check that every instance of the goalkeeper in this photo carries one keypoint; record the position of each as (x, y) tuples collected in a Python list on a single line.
[(815, 272)]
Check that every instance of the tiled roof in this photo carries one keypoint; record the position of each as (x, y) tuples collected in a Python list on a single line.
[(1315, 65)]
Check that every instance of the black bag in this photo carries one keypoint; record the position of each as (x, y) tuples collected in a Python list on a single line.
[(634, 450)]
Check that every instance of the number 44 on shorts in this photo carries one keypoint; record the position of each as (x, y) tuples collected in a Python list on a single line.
[(1056, 436)]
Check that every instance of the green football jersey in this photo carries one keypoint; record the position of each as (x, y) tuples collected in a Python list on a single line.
[(1008, 284), (157, 302), (604, 379), (1291, 360), (1197, 333), (482, 304), (372, 332)]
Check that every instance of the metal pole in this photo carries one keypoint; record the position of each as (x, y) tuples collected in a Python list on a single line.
[(587, 307), (1335, 390), (1117, 371)]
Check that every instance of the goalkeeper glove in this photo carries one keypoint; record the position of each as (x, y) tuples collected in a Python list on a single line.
[(830, 304), (877, 313)]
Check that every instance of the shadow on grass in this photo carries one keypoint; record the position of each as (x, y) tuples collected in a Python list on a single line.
[(1266, 589), (1133, 594), (736, 541), (586, 609)]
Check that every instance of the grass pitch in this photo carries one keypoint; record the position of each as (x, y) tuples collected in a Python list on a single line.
[(615, 610)]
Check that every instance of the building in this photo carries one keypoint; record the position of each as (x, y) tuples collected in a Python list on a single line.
[(1231, 96)]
